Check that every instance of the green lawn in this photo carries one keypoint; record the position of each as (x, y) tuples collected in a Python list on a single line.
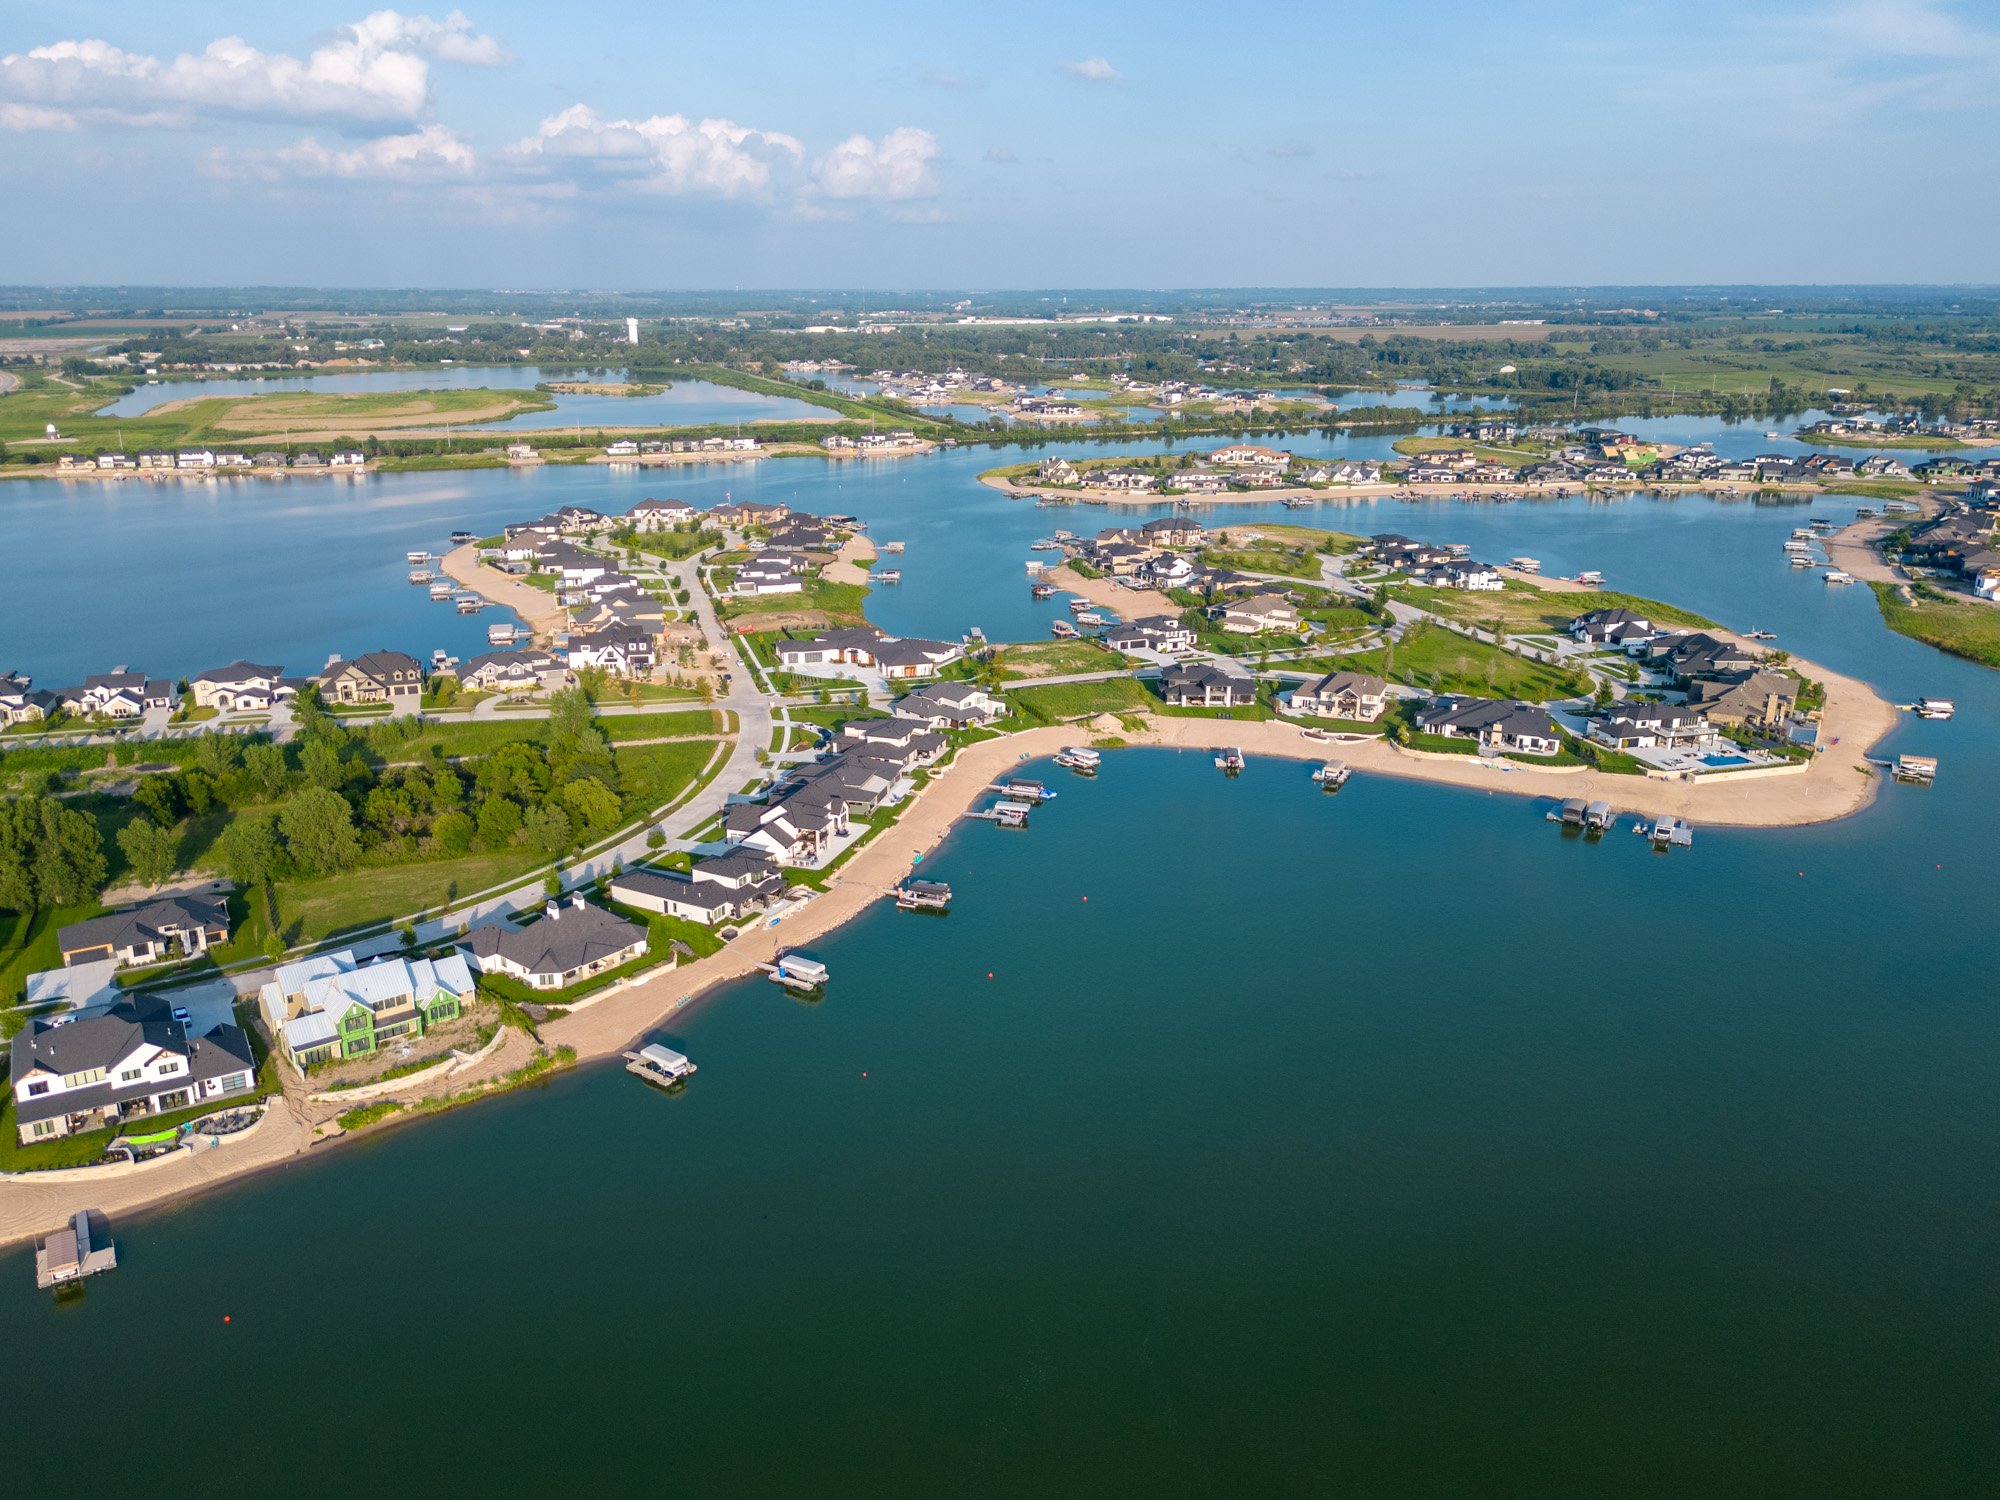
[(1523, 607), (1962, 627), (29, 945), (1070, 700), (313, 909), (1056, 659), (1433, 657), (484, 736), (1290, 562), (841, 603)]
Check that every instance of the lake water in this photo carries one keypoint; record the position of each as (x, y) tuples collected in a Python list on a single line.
[(1387, 1143), (187, 576), (686, 403)]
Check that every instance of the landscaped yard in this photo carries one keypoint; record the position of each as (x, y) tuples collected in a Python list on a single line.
[(1070, 700), (1056, 659), (1523, 607), (1446, 662)]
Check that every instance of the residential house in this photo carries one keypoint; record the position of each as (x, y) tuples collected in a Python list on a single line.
[(118, 695), (1476, 577), (79, 1073), (20, 703), (240, 687), (704, 901), (795, 830), (375, 677), (1151, 633), (950, 705), (1248, 455), (660, 515), (895, 658), (908, 741), (1201, 685), (331, 1006), (566, 945), (1172, 531), (1342, 695), (622, 650), (1757, 699), (1257, 614), (770, 572), (529, 671), (1610, 627), (157, 932), (1498, 725), (1056, 471), (1650, 726)]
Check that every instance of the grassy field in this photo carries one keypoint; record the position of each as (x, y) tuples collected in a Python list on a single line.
[(1433, 657), (1333, 543), (1962, 627), (1413, 447), (1071, 700), (838, 603), (1522, 607), (1290, 562), (484, 736), (1056, 659)]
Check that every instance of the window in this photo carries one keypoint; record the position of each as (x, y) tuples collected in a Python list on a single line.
[(130, 1075), (37, 1089), (45, 1127), (169, 1065)]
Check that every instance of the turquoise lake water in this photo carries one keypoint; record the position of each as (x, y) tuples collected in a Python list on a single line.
[(1380, 1144)]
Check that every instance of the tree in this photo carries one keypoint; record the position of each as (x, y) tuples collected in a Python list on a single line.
[(247, 851), (160, 796), (548, 827), (320, 764), (591, 803), (216, 754), (150, 850), (50, 855), (319, 831), (499, 821), (266, 766), (454, 832)]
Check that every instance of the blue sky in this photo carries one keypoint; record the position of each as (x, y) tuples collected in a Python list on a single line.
[(1107, 144)]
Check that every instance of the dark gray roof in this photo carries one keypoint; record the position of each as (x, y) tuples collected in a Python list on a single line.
[(241, 671), (154, 922), (102, 1040), (554, 945)]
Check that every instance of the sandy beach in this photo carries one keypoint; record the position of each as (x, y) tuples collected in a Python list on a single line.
[(846, 565), (544, 616)]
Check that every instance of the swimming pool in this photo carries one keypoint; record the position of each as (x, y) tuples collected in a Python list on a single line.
[(1717, 762)]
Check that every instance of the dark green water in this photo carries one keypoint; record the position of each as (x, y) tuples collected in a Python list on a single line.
[(1378, 1144)]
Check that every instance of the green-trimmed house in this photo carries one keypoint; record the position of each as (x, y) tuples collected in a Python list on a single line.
[(329, 1007)]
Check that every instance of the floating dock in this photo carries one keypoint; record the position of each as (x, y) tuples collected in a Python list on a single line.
[(1022, 790), (1915, 770), (82, 1248), (1230, 760), (659, 1065), (1079, 758), (1935, 708), (1671, 833)]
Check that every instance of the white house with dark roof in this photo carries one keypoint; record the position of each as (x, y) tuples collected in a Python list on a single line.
[(568, 943), (1497, 724), (375, 677), (1200, 685), (169, 928), (1163, 633), (240, 687), (528, 671), (1341, 695), (622, 650), (950, 705), (79, 1073), (1257, 614)]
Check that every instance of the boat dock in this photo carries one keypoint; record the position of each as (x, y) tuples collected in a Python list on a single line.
[(660, 1065), (1079, 758), (1915, 770), (796, 971), (1333, 775), (1007, 813), (82, 1248), (1022, 790), (1669, 833), (923, 895), (1230, 760)]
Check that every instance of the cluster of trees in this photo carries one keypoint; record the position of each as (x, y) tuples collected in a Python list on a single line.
[(332, 799)]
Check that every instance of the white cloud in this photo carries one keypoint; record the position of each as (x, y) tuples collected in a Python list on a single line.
[(895, 169), (432, 154), (370, 72), (1093, 70), (35, 117), (674, 155)]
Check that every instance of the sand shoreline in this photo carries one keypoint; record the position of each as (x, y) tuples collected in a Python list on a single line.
[(1828, 789), (543, 615)]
